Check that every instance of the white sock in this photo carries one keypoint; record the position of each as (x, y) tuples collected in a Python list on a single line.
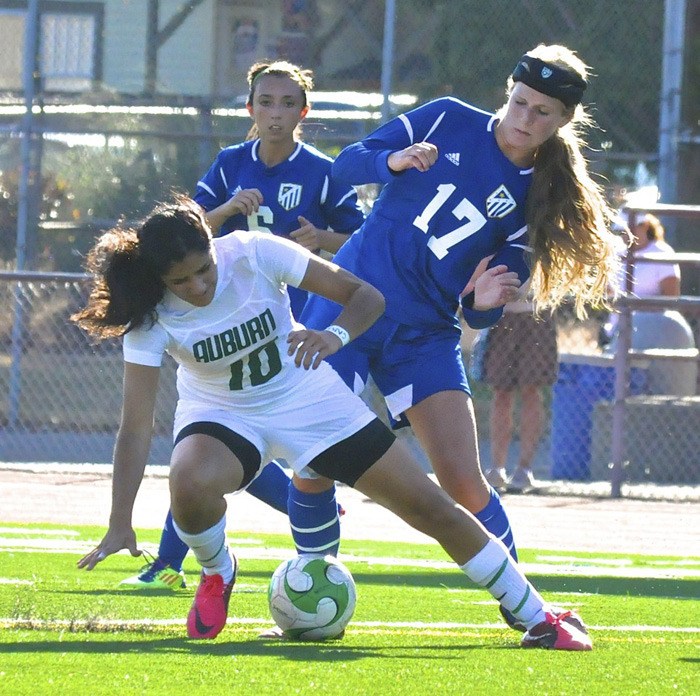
[(494, 569), (210, 549)]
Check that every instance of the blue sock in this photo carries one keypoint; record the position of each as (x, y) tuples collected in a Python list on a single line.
[(314, 520), (172, 549), (494, 518), (271, 486)]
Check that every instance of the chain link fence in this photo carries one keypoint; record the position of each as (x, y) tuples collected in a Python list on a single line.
[(121, 114), (62, 394), (623, 416), (62, 397), (660, 426)]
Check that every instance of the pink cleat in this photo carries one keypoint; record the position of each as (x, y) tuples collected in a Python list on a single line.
[(562, 631), (209, 610)]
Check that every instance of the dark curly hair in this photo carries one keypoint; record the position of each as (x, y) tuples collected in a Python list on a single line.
[(128, 264)]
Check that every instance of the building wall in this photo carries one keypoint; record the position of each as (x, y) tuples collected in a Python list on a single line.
[(185, 59), (124, 46), (212, 49)]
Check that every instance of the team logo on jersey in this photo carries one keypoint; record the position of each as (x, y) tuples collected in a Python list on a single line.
[(453, 157), (500, 203), (289, 195)]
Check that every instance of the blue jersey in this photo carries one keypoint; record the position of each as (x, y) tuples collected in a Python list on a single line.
[(301, 185), (428, 230)]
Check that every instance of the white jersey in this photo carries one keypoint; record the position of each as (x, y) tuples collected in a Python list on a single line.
[(234, 350), (232, 355)]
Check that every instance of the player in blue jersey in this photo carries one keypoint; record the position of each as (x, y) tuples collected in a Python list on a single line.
[(470, 199), (273, 182)]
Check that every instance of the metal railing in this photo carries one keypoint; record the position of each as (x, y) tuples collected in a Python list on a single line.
[(625, 356)]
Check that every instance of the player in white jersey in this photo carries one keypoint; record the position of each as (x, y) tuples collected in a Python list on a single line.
[(273, 182), (469, 196), (252, 385)]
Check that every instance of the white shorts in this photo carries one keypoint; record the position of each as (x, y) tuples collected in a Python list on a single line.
[(317, 413)]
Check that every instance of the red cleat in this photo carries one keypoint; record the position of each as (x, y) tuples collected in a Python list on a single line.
[(209, 610)]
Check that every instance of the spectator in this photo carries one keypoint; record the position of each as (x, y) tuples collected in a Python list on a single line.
[(649, 279), (652, 278), (521, 357)]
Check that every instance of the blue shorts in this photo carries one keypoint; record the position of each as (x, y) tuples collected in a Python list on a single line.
[(407, 363)]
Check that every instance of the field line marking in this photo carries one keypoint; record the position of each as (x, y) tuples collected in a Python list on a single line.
[(49, 624), (674, 572)]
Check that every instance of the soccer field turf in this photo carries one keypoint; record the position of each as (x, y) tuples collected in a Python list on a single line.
[(419, 627)]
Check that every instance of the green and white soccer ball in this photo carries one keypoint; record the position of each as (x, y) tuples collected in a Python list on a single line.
[(312, 597)]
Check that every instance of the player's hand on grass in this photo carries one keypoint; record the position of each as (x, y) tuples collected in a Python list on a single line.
[(113, 541), (311, 347), (494, 287), (420, 156)]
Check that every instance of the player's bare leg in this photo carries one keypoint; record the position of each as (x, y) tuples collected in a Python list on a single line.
[(397, 482), (445, 426)]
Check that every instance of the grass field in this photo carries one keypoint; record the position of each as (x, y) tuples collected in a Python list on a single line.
[(419, 628)]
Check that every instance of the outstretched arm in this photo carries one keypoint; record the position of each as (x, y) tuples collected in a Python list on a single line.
[(130, 457), (362, 305)]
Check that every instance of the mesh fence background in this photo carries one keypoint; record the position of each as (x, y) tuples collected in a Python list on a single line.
[(62, 396), (111, 134)]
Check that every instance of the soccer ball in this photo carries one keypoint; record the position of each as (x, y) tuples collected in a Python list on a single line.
[(312, 597)]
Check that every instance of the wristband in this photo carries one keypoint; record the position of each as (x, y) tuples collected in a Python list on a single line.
[(340, 332)]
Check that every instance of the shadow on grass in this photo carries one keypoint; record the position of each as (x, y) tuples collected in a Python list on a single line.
[(627, 587), (635, 587), (186, 593), (297, 651)]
